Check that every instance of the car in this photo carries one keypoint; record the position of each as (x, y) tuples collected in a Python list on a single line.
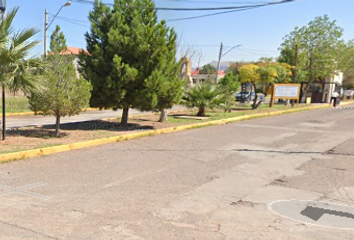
[(246, 95)]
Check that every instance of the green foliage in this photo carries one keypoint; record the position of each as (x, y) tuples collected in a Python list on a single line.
[(60, 92), (57, 41), (348, 75), (163, 88), (320, 49), (203, 96), (129, 57), (15, 66), (229, 83), (207, 69), (264, 75)]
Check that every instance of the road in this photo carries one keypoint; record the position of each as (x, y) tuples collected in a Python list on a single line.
[(32, 120), (207, 183)]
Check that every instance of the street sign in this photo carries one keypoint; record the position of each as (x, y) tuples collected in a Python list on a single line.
[(322, 214)]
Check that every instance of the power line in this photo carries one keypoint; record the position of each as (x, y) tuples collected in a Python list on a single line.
[(189, 9), (225, 12), (211, 2), (71, 19), (207, 15)]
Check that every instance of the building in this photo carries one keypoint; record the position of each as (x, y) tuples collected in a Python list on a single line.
[(75, 52), (321, 92), (198, 78)]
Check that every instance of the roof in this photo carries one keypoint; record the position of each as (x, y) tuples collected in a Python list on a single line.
[(72, 50), (196, 72)]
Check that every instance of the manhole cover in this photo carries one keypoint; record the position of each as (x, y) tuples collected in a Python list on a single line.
[(316, 213)]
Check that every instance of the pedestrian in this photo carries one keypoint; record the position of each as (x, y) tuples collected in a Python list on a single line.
[(334, 97)]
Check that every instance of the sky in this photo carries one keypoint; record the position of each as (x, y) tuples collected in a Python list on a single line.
[(259, 31)]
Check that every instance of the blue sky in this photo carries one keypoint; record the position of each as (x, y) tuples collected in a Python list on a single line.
[(259, 31)]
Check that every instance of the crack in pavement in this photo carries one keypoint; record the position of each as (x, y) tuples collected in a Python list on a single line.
[(28, 230), (328, 152)]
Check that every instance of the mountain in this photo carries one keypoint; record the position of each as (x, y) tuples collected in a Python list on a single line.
[(223, 65)]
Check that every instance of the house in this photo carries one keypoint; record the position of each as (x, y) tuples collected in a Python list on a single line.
[(197, 77), (321, 92), (193, 77), (75, 51)]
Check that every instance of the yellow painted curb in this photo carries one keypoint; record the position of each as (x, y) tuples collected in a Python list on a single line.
[(67, 147), (56, 149), (19, 155)]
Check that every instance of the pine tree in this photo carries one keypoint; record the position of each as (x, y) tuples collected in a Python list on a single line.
[(130, 63), (60, 92)]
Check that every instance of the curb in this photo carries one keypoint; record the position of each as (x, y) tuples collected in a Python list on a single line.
[(68, 147)]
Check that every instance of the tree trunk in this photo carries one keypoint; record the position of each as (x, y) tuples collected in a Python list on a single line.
[(57, 126), (271, 103), (163, 115), (125, 115), (201, 112), (254, 105)]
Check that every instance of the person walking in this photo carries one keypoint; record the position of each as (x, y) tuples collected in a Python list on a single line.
[(334, 97)]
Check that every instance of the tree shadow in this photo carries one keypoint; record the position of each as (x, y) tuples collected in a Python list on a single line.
[(34, 133), (100, 125), (48, 131)]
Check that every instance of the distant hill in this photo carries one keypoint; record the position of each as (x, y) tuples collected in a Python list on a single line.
[(223, 65)]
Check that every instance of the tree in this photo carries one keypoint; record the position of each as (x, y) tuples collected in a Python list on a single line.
[(348, 75), (203, 96), (60, 92), (207, 69), (319, 47), (265, 75), (250, 74), (163, 87), (228, 85), (15, 65), (124, 46)]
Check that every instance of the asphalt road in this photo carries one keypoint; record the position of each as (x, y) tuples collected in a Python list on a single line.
[(207, 183), (32, 120)]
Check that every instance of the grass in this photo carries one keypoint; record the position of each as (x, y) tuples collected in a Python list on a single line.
[(239, 110), (15, 149), (16, 104), (45, 145)]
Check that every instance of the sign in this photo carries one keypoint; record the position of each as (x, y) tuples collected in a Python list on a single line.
[(322, 214), (287, 91)]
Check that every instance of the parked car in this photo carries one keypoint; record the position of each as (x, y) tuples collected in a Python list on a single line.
[(248, 96)]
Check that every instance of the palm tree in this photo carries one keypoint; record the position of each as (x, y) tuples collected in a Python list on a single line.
[(203, 96), (15, 46)]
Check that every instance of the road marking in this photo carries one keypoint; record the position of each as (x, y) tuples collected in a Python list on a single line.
[(316, 213), (324, 214), (21, 190)]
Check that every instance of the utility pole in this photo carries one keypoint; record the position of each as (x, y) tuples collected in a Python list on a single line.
[(2, 9), (218, 67), (295, 71), (296, 57), (45, 32), (46, 25)]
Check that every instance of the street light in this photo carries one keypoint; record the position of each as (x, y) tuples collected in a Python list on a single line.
[(46, 25), (220, 56)]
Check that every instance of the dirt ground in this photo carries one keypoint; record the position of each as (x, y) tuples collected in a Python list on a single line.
[(40, 137)]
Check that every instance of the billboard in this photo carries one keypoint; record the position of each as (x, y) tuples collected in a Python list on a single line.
[(287, 91)]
